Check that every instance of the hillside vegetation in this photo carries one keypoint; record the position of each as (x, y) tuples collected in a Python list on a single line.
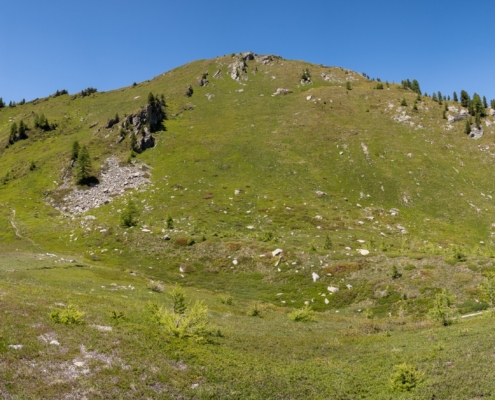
[(312, 217)]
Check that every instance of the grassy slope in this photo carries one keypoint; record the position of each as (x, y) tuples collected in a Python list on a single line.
[(278, 151)]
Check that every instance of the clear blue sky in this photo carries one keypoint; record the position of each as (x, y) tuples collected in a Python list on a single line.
[(107, 44)]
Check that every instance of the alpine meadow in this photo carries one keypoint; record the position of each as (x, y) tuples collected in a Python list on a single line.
[(248, 227)]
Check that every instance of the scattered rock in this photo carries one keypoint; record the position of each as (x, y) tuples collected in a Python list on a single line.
[(319, 193), (315, 276), (333, 289), (281, 91), (114, 180), (363, 252), (276, 252), (189, 91)]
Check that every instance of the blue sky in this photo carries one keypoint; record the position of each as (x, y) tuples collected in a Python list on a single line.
[(108, 44)]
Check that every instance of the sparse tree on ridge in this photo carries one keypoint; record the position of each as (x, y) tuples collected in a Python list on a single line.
[(455, 97), (465, 99)]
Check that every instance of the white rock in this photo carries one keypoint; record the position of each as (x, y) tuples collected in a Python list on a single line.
[(361, 241), (363, 252), (276, 252), (349, 286), (315, 276), (327, 301), (308, 97), (250, 227), (235, 262), (333, 289), (15, 346)]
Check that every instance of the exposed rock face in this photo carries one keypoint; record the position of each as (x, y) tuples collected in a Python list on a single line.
[(111, 123), (476, 133), (217, 74), (203, 81), (114, 181), (151, 114), (238, 69), (189, 91)]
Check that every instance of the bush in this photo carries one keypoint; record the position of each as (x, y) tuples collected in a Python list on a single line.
[(69, 315), (443, 310), (348, 86), (305, 314), (255, 310), (227, 299), (405, 378)]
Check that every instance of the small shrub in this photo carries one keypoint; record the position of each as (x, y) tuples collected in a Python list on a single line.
[(69, 315), (227, 299), (405, 378), (255, 310), (266, 236), (170, 222), (443, 310), (395, 274), (348, 85), (305, 314)]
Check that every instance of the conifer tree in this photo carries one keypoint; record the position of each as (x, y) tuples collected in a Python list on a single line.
[(415, 86), (13, 133), (485, 104), (83, 166), (465, 99), (75, 150), (2, 104), (22, 130), (455, 97)]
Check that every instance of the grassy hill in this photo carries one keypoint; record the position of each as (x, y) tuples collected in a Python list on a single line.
[(339, 175)]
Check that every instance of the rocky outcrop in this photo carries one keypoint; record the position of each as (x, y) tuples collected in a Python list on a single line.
[(112, 122), (476, 132), (281, 91), (189, 91), (114, 181), (203, 81)]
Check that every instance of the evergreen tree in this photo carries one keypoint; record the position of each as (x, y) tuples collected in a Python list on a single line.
[(83, 166), (22, 130), (129, 216), (434, 97), (465, 99), (151, 99), (13, 133), (440, 97), (403, 103), (467, 129), (492, 103), (415, 86), (455, 97), (75, 150), (477, 106), (485, 104), (2, 104)]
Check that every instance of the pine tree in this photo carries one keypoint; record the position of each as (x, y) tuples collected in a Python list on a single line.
[(415, 86), (485, 104), (434, 97), (440, 97), (22, 130), (13, 133), (75, 150), (465, 99), (467, 129), (83, 166), (2, 104), (477, 106), (403, 103), (151, 99), (129, 216), (455, 97)]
